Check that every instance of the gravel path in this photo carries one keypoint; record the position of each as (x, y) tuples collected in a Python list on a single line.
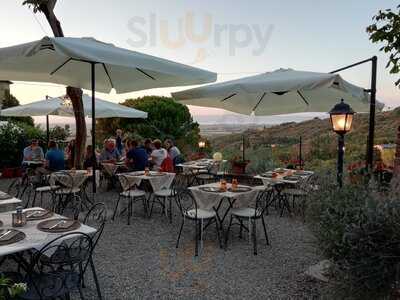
[(140, 261)]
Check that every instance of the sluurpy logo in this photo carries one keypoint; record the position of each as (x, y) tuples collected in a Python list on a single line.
[(198, 32)]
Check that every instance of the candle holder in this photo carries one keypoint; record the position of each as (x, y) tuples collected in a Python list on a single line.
[(19, 218)]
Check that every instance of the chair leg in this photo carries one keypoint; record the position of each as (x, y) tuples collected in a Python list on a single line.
[(241, 228), (180, 232), (129, 210), (95, 279), (254, 236), (170, 209), (116, 207), (227, 231), (196, 237), (265, 230), (218, 234)]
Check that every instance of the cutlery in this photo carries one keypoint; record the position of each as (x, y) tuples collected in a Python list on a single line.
[(4, 234), (34, 213), (58, 223)]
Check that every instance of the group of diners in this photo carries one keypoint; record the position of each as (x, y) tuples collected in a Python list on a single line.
[(133, 154)]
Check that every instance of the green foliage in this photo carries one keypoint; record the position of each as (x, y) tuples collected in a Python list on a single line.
[(59, 133), (357, 227), (11, 101), (8, 289), (386, 29), (14, 137), (166, 119)]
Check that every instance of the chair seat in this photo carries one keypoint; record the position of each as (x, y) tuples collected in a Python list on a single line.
[(164, 193), (244, 212), (201, 214), (47, 188), (66, 191), (133, 193), (294, 192)]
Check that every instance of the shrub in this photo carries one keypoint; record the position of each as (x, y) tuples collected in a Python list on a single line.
[(358, 228)]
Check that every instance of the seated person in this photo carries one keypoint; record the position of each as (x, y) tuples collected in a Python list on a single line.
[(173, 151), (148, 146), (54, 158), (88, 162), (33, 151), (110, 153), (136, 158), (158, 155)]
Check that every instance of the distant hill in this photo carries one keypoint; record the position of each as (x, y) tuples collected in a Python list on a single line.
[(319, 142)]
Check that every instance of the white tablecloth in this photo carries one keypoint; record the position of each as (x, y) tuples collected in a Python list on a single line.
[(267, 181), (35, 239), (157, 182), (75, 179), (208, 200)]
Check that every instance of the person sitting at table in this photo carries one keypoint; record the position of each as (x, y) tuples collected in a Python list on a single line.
[(54, 158), (158, 155), (136, 158), (119, 141), (109, 154), (148, 146), (173, 152), (33, 151), (88, 161)]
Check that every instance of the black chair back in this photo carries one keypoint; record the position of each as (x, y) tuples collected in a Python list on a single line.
[(96, 217), (186, 202)]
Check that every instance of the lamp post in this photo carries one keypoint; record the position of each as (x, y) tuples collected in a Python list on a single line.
[(341, 116)]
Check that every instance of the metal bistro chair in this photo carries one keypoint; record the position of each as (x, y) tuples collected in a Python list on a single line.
[(251, 214), (68, 196), (163, 196), (96, 217), (132, 194), (209, 175), (46, 189), (298, 193), (189, 211), (55, 270)]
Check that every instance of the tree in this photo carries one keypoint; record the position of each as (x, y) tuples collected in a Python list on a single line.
[(166, 119), (75, 94), (386, 30), (11, 101)]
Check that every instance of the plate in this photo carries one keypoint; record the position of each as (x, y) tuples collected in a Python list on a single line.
[(12, 237), (291, 178), (38, 214), (240, 189), (280, 170), (58, 225), (156, 174), (210, 189), (5, 196), (303, 173)]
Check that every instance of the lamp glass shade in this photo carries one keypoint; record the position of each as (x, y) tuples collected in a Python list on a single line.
[(341, 123), (202, 144)]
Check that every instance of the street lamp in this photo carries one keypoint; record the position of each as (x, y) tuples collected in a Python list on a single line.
[(341, 119), (202, 144)]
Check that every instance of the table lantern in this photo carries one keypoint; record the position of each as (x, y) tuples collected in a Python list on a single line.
[(222, 185), (146, 171), (19, 218), (234, 184)]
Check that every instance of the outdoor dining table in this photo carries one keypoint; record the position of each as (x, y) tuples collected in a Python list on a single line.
[(209, 197), (112, 168), (8, 202), (196, 167), (34, 238), (282, 178), (157, 180)]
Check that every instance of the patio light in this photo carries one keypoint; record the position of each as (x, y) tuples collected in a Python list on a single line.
[(341, 119)]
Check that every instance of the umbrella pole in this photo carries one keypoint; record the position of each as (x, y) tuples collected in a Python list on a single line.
[(47, 126), (300, 153), (94, 160)]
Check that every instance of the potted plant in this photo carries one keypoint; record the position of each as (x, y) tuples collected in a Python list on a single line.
[(239, 165), (9, 289)]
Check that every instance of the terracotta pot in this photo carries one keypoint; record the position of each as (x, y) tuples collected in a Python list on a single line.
[(239, 167)]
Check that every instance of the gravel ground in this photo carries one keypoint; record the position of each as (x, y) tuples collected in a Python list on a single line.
[(140, 261)]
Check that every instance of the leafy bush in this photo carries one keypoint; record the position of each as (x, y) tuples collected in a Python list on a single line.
[(14, 137), (358, 228)]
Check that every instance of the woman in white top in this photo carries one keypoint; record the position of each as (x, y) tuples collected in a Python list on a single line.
[(158, 155)]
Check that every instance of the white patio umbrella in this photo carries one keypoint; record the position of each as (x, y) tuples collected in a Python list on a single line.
[(282, 91), (91, 64), (61, 106)]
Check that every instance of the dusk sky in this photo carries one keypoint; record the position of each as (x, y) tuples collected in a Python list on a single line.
[(231, 38)]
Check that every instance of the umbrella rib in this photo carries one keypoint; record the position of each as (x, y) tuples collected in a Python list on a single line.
[(143, 72), (302, 97), (108, 75), (230, 96), (259, 101), (62, 65)]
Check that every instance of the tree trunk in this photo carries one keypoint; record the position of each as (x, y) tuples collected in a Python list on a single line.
[(396, 169), (75, 94)]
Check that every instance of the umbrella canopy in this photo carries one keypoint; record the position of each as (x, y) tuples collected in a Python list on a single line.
[(61, 106), (64, 60), (282, 91)]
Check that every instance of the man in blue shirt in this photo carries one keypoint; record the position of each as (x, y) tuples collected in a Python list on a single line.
[(137, 158), (55, 158), (110, 154), (33, 151)]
